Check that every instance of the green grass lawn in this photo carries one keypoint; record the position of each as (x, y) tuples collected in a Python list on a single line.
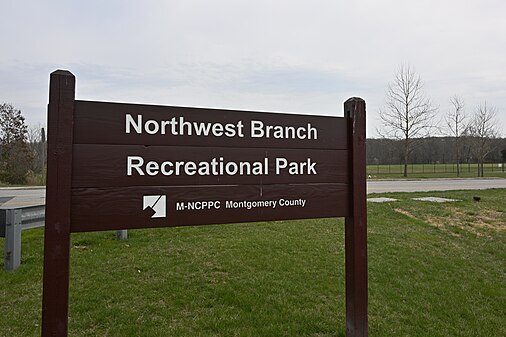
[(430, 171), (434, 270)]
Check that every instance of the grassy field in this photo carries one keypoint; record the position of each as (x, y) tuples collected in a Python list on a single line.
[(433, 171), (434, 270)]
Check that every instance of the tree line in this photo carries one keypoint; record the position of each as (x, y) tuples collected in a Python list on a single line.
[(431, 150)]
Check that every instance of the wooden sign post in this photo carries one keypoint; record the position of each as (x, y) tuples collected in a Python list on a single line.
[(146, 166)]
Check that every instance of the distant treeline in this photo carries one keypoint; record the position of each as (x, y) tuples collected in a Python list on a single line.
[(433, 150)]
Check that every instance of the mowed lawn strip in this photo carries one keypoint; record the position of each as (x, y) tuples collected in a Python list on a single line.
[(434, 171), (434, 270)]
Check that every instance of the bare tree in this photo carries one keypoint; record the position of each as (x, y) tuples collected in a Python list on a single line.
[(455, 120), (408, 113), (36, 142), (33, 133), (480, 132)]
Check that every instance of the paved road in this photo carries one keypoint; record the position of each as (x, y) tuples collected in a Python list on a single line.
[(12, 198)]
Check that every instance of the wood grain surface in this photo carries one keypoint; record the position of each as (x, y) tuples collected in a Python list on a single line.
[(95, 209)]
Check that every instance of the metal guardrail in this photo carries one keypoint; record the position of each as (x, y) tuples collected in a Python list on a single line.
[(14, 221)]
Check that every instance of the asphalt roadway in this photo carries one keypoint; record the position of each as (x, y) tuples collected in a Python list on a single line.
[(26, 196), (16, 197)]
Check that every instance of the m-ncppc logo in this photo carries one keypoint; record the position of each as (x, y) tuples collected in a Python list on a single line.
[(157, 204)]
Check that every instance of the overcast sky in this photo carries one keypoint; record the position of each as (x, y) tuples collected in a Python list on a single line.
[(276, 55)]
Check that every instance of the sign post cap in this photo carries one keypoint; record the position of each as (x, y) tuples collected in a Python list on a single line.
[(354, 99), (61, 72)]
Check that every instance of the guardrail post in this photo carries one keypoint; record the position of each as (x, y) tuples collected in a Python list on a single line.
[(12, 258), (122, 234)]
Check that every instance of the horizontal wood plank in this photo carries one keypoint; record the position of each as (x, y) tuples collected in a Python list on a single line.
[(106, 166), (95, 209), (105, 123)]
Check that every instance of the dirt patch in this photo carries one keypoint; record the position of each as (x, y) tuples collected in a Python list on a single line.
[(472, 223), (442, 224), (491, 220), (404, 212), (437, 221), (479, 224)]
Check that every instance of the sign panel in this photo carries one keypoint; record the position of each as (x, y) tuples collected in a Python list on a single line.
[(122, 166), (205, 164)]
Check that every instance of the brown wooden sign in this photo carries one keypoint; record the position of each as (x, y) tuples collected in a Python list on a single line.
[(122, 166)]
